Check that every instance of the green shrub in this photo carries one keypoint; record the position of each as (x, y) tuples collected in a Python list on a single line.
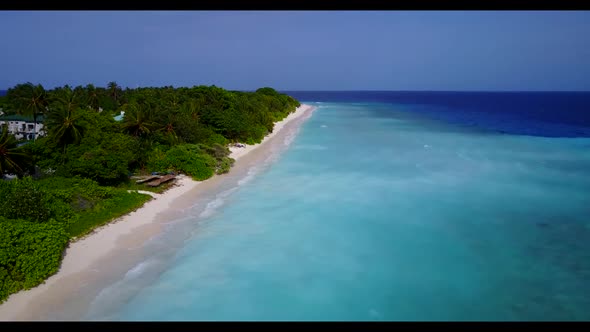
[(215, 138), (50, 198), (105, 211), (71, 187), (156, 160), (105, 159), (191, 160), (215, 150), (225, 165), (256, 134), (24, 199), (221, 155), (29, 253), (71, 195)]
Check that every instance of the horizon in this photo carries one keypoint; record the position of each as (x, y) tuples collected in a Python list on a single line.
[(301, 50), (290, 90)]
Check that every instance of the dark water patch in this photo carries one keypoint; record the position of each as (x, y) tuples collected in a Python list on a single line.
[(546, 114)]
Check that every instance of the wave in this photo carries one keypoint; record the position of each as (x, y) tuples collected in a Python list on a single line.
[(138, 269), (219, 200), (113, 296), (290, 138), (251, 173), (211, 207)]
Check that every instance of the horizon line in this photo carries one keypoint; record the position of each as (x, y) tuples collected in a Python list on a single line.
[(341, 90), (429, 90)]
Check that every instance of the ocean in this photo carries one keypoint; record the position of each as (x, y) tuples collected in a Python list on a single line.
[(387, 206)]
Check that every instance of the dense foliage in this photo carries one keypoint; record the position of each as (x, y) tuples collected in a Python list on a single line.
[(36, 217), (68, 201), (25, 199), (197, 160), (72, 179), (29, 253), (85, 140)]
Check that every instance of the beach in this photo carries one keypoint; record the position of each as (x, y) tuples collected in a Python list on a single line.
[(83, 259), (237, 152)]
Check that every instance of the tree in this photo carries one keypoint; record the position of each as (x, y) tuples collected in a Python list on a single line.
[(114, 91), (168, 127), (4, 106), (11, 158), (63, 121), (104, 158), (93, 97), (29, 99), (64, 125), (171, 100), (66, 98), (138, 119), (190, 108)]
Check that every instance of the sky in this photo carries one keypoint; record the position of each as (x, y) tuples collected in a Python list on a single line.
[(299, 50)]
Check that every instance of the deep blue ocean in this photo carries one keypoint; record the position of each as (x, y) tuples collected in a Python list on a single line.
[(548, 114), (387, 206)]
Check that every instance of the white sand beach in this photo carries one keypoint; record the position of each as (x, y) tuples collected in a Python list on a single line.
[(83, 253)]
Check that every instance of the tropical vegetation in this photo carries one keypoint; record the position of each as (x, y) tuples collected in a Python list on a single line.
[(75, 177)]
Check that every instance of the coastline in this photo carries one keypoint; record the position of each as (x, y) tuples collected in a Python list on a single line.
[(237, 153), (128, 231)]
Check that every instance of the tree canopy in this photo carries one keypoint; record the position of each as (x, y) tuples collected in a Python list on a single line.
[(84, 139)]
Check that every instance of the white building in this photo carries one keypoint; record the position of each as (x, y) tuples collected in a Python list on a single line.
[(23, 127)]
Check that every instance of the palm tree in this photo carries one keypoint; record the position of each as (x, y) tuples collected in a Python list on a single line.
[(93, 98), (66, 98), (172, 101), (114, 91), (191, 108), (10, 156), (168, 127), (29, 99), (138, 119), (64, 126), (63, 121)]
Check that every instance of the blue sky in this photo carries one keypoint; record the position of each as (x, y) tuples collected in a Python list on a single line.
[(300, 50)]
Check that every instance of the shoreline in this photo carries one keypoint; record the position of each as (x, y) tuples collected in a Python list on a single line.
[(130, 230), (237, 153)]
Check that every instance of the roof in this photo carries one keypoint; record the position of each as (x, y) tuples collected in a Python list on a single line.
[(120, 116), (21, 118)]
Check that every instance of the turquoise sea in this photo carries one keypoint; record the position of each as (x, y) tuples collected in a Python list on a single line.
[(373, 212)]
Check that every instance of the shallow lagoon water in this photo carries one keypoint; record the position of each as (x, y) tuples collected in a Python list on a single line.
[(375, 213)]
